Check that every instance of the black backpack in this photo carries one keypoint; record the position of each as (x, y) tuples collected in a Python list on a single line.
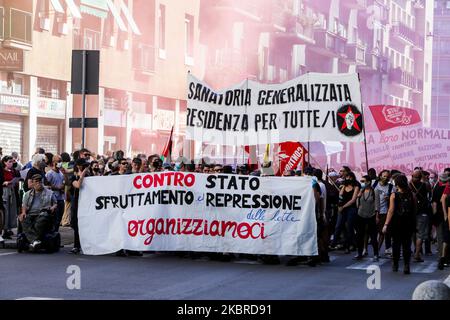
[(403, 205)]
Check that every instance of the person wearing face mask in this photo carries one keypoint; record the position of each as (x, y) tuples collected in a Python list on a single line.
[(38, 162), (347, 212), (10, 194), (95, 169), (55, 181), (366, 218), (383, 190)]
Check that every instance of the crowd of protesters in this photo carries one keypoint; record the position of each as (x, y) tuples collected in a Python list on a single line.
[(351, 213)]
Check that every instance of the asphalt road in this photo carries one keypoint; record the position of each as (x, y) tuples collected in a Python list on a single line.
[(165, 276)]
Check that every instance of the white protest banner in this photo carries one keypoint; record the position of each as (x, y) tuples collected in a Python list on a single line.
[(176, 211), (312, 107)]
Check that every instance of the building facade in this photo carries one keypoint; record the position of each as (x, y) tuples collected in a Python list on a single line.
[(441, 62), (386, 41), (146, 49)]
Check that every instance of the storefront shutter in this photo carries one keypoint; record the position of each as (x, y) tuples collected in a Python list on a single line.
[(10, 136)]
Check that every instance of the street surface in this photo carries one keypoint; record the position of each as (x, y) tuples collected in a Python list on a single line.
[(166, 276)]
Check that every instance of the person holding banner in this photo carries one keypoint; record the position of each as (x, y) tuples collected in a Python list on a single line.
[(81, 170)]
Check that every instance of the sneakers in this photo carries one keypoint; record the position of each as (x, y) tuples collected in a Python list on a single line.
[(441, 263), (1, 239), (35, 245), (75, 251), (358, 257)]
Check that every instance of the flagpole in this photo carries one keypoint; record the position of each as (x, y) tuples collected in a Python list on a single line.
[(363, 125), (329, 180)]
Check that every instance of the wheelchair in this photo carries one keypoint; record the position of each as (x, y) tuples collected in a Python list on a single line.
[(50, 243)]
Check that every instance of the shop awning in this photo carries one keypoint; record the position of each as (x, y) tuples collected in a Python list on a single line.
[(130, 19), (116, 15), (57, 6), (96, 8), (73, 9)]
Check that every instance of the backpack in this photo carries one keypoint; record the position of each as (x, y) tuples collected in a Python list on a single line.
[(403, 205)]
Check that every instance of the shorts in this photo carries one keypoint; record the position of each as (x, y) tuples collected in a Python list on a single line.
[(422, 221)]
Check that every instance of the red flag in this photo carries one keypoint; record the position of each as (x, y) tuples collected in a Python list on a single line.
[(290, 156), (388, 117), (252, 161), (167, 152)]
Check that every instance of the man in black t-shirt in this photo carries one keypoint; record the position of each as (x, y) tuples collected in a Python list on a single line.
[(39, 165)]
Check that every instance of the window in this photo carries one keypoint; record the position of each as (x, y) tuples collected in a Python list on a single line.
[(52, 89), (91, 40), (108, 32), (189, 35), (2, 23), (162, 31), (20, 25)]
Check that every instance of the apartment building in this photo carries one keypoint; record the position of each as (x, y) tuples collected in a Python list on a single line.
[(388, 42), (441, 65), (146, 49)]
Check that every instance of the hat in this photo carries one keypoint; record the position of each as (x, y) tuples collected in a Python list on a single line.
[(443, 177), (37, 177)]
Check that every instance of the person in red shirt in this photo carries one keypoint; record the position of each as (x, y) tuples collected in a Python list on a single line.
[(446, 192), (10, 195)]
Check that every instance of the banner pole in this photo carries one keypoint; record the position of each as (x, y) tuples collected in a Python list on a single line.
[(329, 180), (364, 125)]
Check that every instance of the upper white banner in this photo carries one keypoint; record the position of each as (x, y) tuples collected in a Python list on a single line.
[(312, 107)]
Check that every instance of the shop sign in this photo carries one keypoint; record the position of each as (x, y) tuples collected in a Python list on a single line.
[(14, 104), (11, 60), (163, 120), (51, 108)]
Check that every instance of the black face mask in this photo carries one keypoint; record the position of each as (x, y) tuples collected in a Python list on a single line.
[(15, 165)]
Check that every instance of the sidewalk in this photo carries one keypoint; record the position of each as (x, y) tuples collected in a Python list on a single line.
[(66, 238)]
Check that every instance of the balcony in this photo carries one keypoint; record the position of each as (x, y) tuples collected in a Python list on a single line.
[(419, 4), (355, 4), (329, 44), (372, 62), (406, 79), (419, 43), (356, 53), (301, 32), (403, 33), (232, 10), (144, 59), (18, 30)]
